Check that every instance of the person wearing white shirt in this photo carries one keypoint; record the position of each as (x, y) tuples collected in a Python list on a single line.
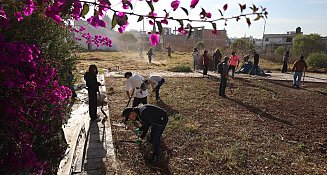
[(156, 82), (133, 84)]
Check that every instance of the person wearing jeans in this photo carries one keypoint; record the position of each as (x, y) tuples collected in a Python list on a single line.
[(298, 68), (156, 82), (223, 78), (149, 116), (233, 63)]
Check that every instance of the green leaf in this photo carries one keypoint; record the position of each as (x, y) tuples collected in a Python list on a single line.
[(150, 5), (257, 18), (180, 22), (114, 21), (185, 10), (129, 4), (190, 31), (221, 13), (248, 21), (140, 18), (214, 26), (159, 26), (85, 10)]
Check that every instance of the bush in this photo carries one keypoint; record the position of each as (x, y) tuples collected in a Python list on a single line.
[(317, 60), (181, 68)]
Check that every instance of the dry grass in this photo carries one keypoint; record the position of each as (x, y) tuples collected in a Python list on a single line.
[(264, 127)]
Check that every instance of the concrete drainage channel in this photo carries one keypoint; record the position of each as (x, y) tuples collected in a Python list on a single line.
[(90, 145)]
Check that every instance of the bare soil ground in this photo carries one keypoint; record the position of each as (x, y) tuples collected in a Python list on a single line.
[(263, 127)]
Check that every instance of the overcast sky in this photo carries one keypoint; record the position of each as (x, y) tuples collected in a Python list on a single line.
[(284, 15)]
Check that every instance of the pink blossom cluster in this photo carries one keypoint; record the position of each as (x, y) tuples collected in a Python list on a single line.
[(32, 106), (97, 40)]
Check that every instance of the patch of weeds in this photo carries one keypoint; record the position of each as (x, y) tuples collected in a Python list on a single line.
[(181, 68), (301, 146)]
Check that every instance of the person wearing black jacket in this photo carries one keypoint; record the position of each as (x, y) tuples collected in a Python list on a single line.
[(92, 87), (149, 116), (255, 67)]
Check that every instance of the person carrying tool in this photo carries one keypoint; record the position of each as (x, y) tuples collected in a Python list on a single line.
[(92, 84), (298, 68), (149, 116), (156, 82), (135, 83)]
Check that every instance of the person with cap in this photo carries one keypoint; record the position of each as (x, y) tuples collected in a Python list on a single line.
[(149, 116), (156, 82), (134, 84)]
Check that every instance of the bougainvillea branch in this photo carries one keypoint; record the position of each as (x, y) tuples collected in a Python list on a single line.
[(79, 8)]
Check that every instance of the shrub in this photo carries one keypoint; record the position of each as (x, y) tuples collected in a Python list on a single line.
[(181, 68), (317, 60)]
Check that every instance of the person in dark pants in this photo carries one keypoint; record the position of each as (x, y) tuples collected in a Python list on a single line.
[(233, 63), (156, 82), (150, 54), (223, 77), (217, 58), (92, 87), (255, 66), (286, 56), (133, 84), (149, 116), (205, 62)]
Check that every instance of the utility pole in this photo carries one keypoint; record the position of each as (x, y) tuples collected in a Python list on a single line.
[(264, 29)]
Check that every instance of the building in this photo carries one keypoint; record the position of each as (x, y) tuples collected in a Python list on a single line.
[(179, 42), (273, 41)]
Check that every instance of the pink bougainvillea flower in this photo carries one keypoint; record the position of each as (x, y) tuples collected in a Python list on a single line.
[(18, 16), (76, 12), (215, 32), (204, 14), (182, 31), (164, 21), (151, 22), (95, 21), (175, 4), (122, 28), (103, 7), (125, 5), (155, 0), (29, 8), (194, 3), (152, 14), (154, 39)]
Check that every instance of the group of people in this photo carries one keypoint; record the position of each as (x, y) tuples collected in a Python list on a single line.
[(150, 116), (150, 53)]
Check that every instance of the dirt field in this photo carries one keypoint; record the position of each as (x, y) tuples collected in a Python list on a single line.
[(263, 127)]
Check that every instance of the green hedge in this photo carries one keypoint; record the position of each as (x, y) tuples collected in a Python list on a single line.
[(317, 60)]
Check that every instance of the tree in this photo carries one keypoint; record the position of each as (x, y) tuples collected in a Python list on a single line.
[(317, 60), (200, 45), (280, 51), (242, 46), (128, 37), (306, 44)]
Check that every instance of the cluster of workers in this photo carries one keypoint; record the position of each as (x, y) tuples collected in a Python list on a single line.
[(151, 116)]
